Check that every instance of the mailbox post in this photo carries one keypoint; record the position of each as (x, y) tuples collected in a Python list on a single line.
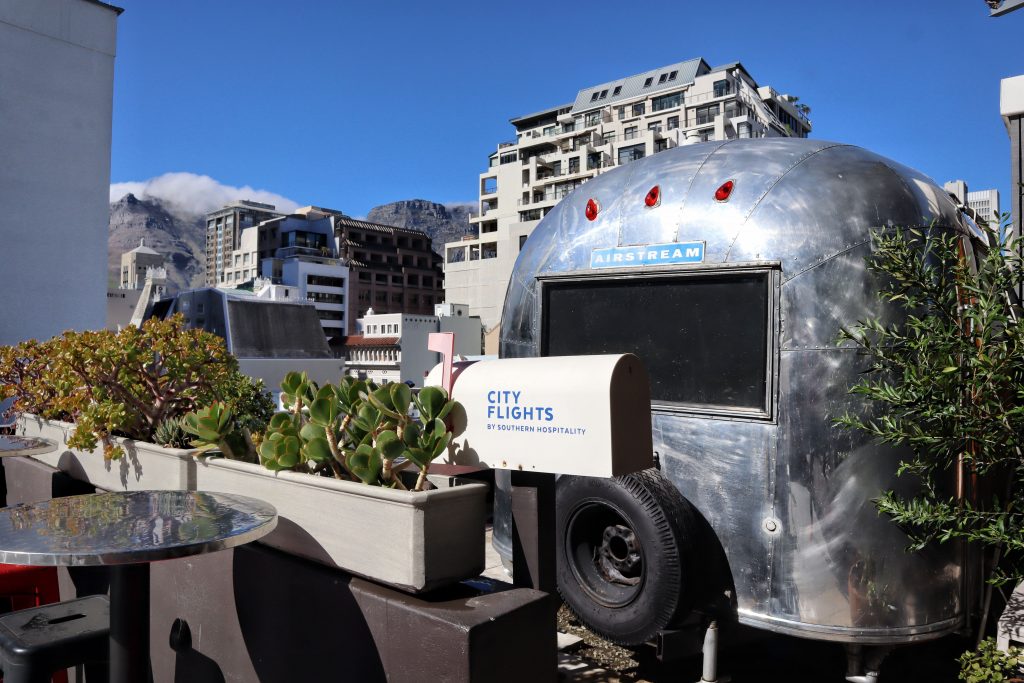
[(541, 417)]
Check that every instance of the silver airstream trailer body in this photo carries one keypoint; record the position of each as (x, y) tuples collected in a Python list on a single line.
[(729, 268)]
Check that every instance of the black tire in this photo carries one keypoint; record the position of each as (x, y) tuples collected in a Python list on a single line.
[(625, 560)]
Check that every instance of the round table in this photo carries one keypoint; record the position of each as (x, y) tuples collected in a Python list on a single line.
[(127, 530), (25, 445)]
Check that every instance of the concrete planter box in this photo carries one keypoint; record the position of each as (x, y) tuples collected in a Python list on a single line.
[(414, 541), (144, 466)]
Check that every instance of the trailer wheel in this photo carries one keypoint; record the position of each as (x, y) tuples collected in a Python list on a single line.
[(624, 553)]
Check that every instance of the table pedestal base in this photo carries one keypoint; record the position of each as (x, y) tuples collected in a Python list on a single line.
[(129, 624)]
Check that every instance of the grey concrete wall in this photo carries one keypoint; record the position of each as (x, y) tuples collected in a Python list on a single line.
[(56, 99)]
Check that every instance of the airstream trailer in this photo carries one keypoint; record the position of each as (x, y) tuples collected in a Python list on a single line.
[(729, 268)]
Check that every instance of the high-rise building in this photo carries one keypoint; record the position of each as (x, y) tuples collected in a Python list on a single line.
[(224, 233), (986, 205), (607, 125), (56, 99)]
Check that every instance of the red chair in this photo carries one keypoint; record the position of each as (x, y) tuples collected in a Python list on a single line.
[(29, 587)]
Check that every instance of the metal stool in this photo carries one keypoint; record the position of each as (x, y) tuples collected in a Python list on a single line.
[(36, 642)]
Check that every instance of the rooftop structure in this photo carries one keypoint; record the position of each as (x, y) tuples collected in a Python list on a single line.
[(605, 126)]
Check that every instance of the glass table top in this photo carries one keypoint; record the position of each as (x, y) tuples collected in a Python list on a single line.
[(25, 445), (130, 527)]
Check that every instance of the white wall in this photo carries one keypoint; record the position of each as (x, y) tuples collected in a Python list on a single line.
[(57, 76)]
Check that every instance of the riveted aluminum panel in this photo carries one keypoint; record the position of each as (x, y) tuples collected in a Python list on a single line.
[(830, 568)]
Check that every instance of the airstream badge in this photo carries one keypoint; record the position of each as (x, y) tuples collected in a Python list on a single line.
[(648, 255)]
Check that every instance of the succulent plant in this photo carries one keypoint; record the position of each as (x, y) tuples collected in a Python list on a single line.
[(214, 429), (355, 429), (171, 433)]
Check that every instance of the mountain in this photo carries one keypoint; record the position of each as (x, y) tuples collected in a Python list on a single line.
[(178, 236), (442, 222)]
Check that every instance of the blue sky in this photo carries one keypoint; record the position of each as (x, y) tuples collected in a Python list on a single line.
[(351, 105)]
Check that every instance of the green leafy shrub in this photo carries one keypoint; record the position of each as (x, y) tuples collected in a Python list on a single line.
[(947, 382), (126, 383), (354, 430), (988, 664)]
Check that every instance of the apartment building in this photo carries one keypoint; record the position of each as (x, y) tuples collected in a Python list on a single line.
[(304, 259), (391, 270), (224, 229), (607, 125)]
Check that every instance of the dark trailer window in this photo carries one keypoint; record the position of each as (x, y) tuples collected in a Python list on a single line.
[(703, 339)]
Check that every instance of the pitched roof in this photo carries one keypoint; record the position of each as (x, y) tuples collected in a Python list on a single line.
[(633, 86)]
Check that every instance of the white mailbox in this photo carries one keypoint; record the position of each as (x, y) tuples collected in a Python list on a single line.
[(583, 415)]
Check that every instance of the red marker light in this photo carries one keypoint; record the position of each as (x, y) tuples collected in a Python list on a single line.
[(723, 192), (653, 197), (592, 209)]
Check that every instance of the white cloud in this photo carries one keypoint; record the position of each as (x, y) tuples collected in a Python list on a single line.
[(197, 194)]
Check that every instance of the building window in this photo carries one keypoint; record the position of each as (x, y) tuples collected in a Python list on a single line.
[(648, 82), (604, 94), (630, 133), (672, 123), (660, 145), (707, 134), (593, 118), (627, 154), (325, 281), (706, 114), (489, 250), (722, 88), (639, 108), (522, 241), (734, 108), (672, 76), (655, 126), (474, 252), (608, 137), (574, 165), (662, 78), (617, 90), (667, 101)]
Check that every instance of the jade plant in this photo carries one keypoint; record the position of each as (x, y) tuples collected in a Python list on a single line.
[(128, 383), (352, 430)]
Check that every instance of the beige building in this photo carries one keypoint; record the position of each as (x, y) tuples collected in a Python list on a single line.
[(134, 264), (607, 125)]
